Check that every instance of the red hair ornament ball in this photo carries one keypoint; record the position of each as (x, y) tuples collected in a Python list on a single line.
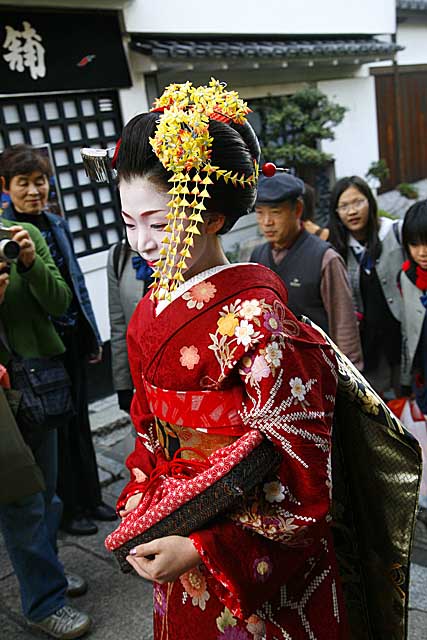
[(269, 169)]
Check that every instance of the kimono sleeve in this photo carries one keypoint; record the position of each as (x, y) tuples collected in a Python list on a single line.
[(143, 459), (290, 381)]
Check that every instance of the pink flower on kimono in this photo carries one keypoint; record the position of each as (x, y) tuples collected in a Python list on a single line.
[(189, 357), (262, 568), (194, 583), (159, 599), (198, 295), (273, 323), (260, 368), (256, 627)]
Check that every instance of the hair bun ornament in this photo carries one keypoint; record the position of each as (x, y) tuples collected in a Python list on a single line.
[(183, 144), (269, 169)]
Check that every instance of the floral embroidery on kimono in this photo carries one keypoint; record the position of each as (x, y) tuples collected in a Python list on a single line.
[(268, 569)]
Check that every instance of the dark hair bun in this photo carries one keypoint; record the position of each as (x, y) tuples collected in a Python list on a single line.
[(235, 148)]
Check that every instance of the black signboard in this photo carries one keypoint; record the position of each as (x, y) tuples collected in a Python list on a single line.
[(61, 50)]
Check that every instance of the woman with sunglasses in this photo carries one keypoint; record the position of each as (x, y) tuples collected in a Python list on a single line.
[(371, 247)]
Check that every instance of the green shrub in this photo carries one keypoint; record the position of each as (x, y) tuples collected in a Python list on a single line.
[(293, 126), (408, 191), (378, 170)]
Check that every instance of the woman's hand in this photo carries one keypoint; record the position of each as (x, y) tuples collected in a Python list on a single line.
[(4, 280), (164, 559), (27, 255), (95, 358), (131, 504)]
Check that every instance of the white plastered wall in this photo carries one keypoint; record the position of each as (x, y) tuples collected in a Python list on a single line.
[(413, 36), (356, 139)]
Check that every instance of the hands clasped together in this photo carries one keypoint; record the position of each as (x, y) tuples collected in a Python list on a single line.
[(162, 560)]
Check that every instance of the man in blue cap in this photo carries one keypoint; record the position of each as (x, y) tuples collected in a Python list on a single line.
[(314, 274)]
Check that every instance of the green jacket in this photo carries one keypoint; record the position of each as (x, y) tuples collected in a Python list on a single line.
[(33, 295)]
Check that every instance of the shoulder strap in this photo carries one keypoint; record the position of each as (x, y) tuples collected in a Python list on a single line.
[(397, 231), (116, 259)]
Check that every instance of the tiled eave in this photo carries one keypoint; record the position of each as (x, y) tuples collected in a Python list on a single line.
[(411, 5), (168, 52)]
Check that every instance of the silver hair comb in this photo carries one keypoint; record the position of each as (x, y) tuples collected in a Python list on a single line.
[(97, 164)]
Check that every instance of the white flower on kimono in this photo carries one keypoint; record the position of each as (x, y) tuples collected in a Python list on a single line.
[(194, 583), (260, 368), (298, 389), (274, 491), (273, 354), (189, 357), (243, 333), (250, 309), (226, 619)]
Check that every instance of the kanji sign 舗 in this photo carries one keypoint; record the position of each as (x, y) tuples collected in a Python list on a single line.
[(25, 50), (60, 50)]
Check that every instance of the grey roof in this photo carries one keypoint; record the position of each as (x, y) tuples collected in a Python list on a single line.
[(266, 49), (412, 5)]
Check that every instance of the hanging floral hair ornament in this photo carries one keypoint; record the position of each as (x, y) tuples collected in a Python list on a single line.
[(183, 145)]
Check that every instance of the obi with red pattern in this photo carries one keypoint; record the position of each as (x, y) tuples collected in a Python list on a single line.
[(214, 412)]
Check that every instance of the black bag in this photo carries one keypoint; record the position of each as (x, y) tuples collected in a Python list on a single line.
[(20, 476), (45, 389)]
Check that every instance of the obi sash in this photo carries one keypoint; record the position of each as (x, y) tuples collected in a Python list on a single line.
[(213, 412)]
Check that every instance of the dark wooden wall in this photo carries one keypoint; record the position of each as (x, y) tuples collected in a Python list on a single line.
[(408, 114)]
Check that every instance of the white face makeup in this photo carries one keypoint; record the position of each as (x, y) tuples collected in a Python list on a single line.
[(144, 209)]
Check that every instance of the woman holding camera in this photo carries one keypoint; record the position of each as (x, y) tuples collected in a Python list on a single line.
[(30, 294)]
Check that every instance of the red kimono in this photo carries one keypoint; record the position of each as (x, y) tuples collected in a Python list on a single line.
[(239, 360)]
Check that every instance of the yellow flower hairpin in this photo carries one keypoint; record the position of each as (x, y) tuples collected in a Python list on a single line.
[(182, 144)]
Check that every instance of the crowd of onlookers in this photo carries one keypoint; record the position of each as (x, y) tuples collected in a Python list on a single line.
[(363, 280)]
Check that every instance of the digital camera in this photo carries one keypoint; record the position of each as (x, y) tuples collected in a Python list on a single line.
[(9, 249)]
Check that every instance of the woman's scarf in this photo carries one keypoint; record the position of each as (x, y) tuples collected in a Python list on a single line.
[(418, 277)]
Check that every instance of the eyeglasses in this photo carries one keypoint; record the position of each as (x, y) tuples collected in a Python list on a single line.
[(356, 205)]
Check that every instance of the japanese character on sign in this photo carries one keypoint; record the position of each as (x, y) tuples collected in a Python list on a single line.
[(25, 50)]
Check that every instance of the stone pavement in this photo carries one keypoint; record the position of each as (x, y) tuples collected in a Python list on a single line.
[(120, 605)]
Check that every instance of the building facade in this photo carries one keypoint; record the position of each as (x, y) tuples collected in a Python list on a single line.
[(128, 51)]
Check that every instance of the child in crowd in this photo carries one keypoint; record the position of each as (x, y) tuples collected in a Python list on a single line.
[(413, 285)]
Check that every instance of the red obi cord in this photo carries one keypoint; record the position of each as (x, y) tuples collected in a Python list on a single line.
[(213, 412)]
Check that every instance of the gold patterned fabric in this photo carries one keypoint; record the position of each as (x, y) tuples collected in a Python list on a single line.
[(173, 437), (376, 469)]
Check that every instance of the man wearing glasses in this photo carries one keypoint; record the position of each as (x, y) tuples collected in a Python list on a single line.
[(314, 274)]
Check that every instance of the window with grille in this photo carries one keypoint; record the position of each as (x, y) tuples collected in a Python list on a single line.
[(68, 122)]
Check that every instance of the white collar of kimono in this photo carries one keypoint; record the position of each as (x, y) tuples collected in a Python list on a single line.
[(203, 275)]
